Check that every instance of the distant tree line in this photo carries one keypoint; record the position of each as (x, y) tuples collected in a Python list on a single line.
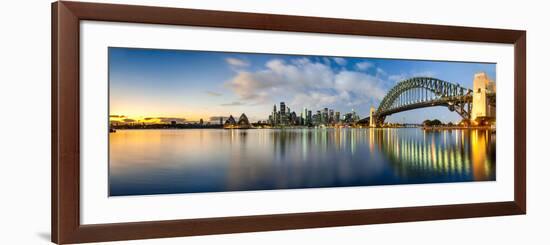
[(431, 123), (435, 122)]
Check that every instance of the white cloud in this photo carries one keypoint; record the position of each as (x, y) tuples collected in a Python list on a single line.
[(234, 103), (423, 74), (315, 100), (340, 61), (302, 82), (403, 76), (248, 86), (237, 62), (363, 66), (380, 72), (397, 77), (360, 83), (213, 93)]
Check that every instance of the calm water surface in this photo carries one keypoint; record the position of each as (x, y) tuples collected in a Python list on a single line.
[(213, 160)]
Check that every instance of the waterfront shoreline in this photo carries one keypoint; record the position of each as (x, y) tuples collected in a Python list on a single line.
[(458, 128), (428, 128)]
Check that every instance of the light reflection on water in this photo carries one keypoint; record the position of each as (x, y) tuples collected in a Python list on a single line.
[(213, 160)]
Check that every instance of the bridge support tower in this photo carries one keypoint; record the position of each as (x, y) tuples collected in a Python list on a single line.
[(480, 106), (372, 120)]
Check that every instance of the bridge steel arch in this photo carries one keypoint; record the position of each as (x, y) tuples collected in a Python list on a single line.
[(420, 92)]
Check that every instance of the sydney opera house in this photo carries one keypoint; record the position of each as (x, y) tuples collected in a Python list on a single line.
[(242, 123)]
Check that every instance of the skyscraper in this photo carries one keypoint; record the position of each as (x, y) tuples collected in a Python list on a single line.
[(319, 118), (304, 116), (274, 116), (283, 117)]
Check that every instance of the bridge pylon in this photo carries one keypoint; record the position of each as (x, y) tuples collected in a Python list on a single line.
[(481, 107), (372, 120)]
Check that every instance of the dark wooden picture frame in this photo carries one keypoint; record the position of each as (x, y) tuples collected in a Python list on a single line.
[(65, 174)]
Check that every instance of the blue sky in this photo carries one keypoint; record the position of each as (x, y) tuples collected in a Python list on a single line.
[(189, 85)]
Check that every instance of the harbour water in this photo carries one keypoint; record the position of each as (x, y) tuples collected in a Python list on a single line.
[(164, 161)]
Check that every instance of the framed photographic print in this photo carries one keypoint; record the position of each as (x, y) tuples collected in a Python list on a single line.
[(176, 122)]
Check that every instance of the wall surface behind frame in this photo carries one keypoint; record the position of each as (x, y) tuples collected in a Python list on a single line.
[(25, 124)]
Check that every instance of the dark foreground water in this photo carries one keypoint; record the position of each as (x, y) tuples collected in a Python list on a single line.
[(213, 160)]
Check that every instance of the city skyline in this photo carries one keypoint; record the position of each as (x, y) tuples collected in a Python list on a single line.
[(161, 86)]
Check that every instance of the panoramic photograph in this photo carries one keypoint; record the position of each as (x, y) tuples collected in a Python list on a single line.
[(183, 121)]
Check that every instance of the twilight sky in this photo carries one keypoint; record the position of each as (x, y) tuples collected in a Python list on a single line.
[(152, 85)]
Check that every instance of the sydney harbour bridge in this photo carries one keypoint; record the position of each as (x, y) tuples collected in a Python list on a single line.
[(422, 92)]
